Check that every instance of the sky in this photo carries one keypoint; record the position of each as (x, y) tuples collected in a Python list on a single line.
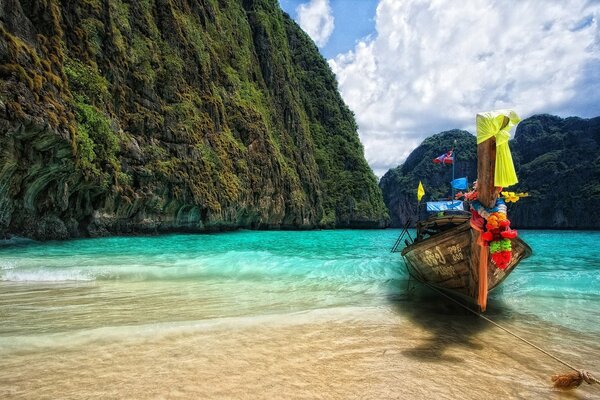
[(411, 68)]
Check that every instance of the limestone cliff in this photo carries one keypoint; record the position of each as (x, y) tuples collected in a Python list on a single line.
[(172, 115), (557, 161)]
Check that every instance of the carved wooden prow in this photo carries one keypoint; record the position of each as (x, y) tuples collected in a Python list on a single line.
[(487, 195)]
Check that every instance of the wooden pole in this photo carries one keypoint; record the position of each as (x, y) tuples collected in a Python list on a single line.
[(486, 162), (486, 168), (453, 164), (487, 195)]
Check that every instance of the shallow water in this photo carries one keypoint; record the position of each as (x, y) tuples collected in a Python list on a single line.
[(319, 314)]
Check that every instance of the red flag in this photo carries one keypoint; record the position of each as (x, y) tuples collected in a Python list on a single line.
[(446, 158)]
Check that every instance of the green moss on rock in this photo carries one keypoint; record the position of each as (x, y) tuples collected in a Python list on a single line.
[(159, 115)]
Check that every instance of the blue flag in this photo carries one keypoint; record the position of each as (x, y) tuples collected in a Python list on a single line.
[(459, 183)]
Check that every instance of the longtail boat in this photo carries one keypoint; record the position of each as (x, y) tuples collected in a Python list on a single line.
[(454, 249)]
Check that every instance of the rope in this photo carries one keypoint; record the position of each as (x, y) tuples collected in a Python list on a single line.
[(586, 376)]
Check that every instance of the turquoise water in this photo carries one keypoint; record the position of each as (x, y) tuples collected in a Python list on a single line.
[(59, 300), (560, 283), (315, 269)]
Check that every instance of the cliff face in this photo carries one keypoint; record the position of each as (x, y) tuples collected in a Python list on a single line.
[(557, 162), (160, 115)]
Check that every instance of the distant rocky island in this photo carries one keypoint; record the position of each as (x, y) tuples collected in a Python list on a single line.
[(557, 161), (149, 117)]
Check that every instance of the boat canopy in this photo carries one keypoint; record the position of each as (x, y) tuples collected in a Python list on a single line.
[(434, 206)]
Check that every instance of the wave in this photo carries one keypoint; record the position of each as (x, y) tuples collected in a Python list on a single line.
[(7, 265), (230, 265), (44, 275)]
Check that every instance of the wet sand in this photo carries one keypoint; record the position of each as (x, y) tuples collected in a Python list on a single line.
[(434, 351)]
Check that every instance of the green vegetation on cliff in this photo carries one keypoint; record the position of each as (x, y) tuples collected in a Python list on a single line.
[(156, 115), (557, 162)]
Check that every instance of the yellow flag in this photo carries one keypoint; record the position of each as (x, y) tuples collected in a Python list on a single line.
[(420, 191)]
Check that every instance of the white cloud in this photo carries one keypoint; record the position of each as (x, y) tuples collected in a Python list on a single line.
[(434, 64), (316, 18)]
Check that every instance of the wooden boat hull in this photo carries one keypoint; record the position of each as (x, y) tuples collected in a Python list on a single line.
[(449, 261)]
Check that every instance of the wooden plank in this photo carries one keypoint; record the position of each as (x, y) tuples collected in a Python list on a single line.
[(474, 260), (444, 260), (520, 250), (449, 261)]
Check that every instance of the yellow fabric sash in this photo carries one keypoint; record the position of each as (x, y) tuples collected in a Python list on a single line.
[(491, 125)]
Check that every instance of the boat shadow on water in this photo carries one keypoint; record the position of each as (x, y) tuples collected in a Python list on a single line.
[(447, 324)]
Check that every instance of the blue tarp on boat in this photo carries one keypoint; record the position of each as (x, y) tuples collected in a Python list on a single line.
[(445, 206)]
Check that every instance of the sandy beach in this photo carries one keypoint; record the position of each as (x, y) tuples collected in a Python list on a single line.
[(285, 315)]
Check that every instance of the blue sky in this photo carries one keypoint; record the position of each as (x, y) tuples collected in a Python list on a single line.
[(354, 19), (412, 68)]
